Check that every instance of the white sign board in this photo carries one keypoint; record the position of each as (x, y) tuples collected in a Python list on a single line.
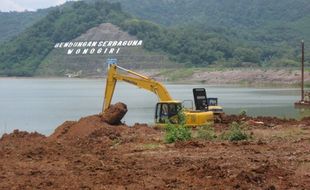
[(96, 47)]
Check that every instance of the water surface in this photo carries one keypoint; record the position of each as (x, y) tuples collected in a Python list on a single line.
[(43, 104)]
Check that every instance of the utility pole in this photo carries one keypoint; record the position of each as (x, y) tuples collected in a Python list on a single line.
[(303, 103), (302, 70)]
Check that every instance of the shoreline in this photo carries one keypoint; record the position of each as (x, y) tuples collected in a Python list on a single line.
[(237, 85), (239, 77)]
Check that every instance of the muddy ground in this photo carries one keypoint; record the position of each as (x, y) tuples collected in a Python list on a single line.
[(90, 154)]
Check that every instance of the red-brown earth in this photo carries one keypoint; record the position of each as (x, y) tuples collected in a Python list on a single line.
[(91, 154)]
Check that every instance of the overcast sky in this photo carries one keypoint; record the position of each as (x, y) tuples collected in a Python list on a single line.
[(21, 5)]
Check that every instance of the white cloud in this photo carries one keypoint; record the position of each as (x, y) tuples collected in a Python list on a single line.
[(21, 5), (10, 5)]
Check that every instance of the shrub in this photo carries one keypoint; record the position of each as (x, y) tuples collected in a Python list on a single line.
[(206, 132), (177, 133), (243, 112), (236, 132)]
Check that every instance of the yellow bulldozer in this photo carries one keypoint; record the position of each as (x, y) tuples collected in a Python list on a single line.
[(167, 109)]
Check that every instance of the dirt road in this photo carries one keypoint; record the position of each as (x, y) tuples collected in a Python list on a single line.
[(90, 154)]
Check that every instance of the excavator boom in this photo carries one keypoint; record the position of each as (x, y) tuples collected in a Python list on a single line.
[(134, 79)]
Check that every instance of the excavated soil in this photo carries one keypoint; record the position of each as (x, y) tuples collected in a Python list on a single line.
[(91, 154), (114, 114)]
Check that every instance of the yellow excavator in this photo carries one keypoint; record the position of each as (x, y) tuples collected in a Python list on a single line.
[(167, 109)]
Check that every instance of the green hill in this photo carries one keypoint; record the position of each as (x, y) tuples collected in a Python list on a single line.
[(272, 29), (22, 55), (237, 13), (272, 25), (197, 33)]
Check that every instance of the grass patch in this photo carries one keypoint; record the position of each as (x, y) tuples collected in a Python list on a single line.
[(206, 132), (289, 134), (180, 74), (236, 132), (179, 132)]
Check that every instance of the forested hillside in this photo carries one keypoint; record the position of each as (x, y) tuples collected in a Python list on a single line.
[(270, 29), (13, 23), (198, 33), (291, 18), (262, 20), (237, 13)]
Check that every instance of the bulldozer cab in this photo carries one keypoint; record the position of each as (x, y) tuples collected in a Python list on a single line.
[(167, 112)]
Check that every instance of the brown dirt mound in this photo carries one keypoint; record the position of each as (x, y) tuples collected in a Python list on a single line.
[(88, 125), (80, 129), (93, 128), (114, 114), (143, 129), (227, 119), (261, 120), (20, 135)]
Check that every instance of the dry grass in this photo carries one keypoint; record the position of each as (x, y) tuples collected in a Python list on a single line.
[(288, 133)]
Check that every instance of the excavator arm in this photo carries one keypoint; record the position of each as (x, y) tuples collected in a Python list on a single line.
[(134, 79)]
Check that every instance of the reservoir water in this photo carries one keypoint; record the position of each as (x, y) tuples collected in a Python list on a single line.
[(43, 104)]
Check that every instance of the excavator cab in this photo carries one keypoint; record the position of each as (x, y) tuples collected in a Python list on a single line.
[(167, 112)]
